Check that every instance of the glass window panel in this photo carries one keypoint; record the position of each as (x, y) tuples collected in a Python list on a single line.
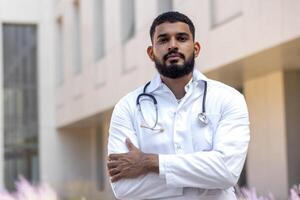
[(76, 48), (127, 20), (59, 54), (224, 11), (20, 103), (99, 29), (164, 6)]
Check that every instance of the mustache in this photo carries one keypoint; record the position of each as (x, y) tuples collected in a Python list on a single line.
[(173, 53)]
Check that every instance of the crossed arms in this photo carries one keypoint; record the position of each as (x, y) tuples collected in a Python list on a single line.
[(139, 175)]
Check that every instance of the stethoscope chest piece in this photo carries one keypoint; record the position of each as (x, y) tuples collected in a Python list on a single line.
[(203, 118)]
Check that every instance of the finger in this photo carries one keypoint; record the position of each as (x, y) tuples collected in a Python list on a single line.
[(113, 172), (112, 164), (115, 156), (116, 177), (130, 145)]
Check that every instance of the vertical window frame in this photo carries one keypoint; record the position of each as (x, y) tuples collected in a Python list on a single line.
[(60, 52), (99, 29), (128, 25), (76, 38), (164, 6)]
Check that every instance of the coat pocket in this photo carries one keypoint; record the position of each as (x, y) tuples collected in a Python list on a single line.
[(203, 135)]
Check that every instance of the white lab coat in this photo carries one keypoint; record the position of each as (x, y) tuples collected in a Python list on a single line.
[(195, 161)]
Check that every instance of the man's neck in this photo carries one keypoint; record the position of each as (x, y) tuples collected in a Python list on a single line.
[(177, 85)]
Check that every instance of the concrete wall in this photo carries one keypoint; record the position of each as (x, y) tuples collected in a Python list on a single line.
[(267, 167), (67, 157), (241, 31), (52, 146), (18, 11), (78, 174), (105, 192), (258, 26), (73, 177)]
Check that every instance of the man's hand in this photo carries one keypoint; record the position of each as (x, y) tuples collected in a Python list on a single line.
[(131, 164)]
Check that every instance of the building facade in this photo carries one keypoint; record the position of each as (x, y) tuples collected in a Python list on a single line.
[(65, 63)]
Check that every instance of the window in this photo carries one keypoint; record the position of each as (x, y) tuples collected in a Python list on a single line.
[(127, 20), (224, 11), (20, 103), (164, 6), (99, 29), (76, 42), (60, 53)]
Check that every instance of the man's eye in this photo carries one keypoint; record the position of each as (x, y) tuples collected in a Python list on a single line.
[(162, 40), (181, 39)]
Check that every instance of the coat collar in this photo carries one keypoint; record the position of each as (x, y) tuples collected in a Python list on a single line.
[(156, 82)]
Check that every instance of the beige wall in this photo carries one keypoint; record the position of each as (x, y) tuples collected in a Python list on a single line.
[(259, 26), (18, 11), (267, 168), (77, 173), (245, 44), (105, 193), (75, 161)]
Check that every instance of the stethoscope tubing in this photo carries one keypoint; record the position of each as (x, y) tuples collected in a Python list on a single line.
[(202, 116)]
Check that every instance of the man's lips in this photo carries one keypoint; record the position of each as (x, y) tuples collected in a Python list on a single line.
[(174, 56)]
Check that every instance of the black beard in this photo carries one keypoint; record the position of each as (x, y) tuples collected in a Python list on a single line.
[(175, 71)]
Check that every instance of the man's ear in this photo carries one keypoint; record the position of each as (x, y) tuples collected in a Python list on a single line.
[(197, 49), (150, 52)]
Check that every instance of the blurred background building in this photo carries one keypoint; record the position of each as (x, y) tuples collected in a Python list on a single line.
[(65, 63)]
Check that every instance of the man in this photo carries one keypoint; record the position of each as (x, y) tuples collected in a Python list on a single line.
[(193, 146)]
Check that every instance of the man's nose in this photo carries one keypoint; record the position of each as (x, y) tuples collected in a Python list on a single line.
[(173, 44)]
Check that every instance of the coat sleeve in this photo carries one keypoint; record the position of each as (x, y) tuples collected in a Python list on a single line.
[(148, 186), (219, 168)]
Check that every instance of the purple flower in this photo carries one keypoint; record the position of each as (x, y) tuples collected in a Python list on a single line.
[(26, 191)]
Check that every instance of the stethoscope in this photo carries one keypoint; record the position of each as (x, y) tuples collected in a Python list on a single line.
[(201, 116)]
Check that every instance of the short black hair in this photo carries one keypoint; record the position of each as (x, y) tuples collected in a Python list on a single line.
[(171, 17)]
